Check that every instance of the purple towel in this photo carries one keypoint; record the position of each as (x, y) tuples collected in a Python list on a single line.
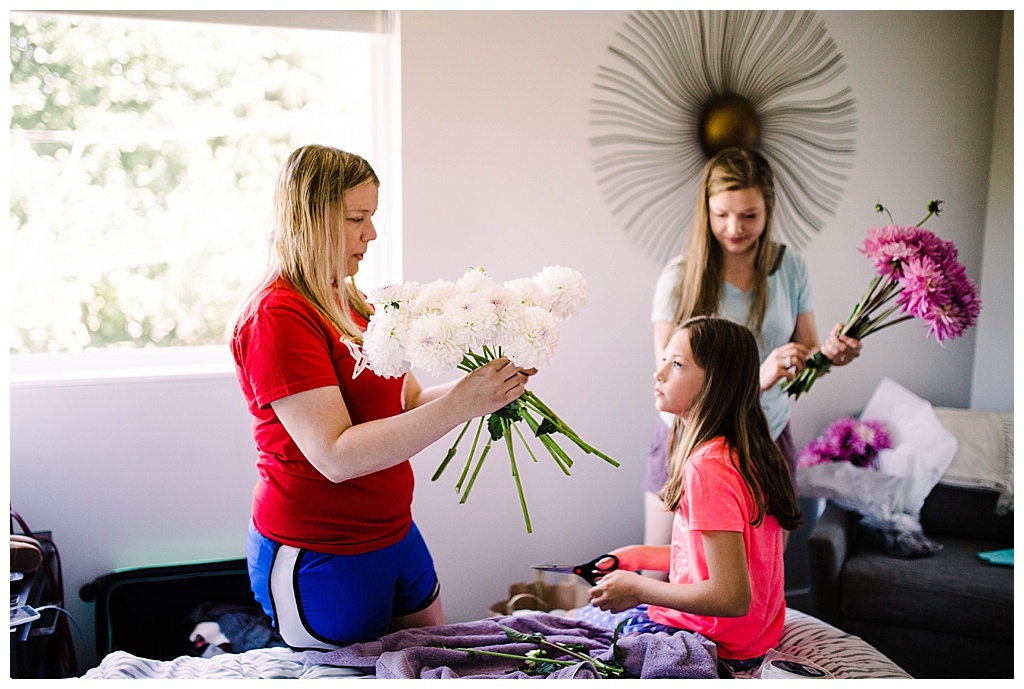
[(427, 653)]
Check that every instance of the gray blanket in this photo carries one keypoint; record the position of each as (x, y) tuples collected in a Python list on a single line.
[(428, 653)]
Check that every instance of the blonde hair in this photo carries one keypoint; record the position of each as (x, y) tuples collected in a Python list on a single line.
[(699, 290), (309, 192), (729, 405)]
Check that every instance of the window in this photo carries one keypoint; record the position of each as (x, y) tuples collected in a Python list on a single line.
[(142, 157)]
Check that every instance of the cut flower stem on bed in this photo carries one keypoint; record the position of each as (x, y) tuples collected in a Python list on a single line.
[(537, 662)]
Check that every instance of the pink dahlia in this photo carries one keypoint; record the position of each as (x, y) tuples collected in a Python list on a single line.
[(919, 275)]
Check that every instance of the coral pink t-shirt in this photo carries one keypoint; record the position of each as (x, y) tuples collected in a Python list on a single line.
[(288, 347), (716, 499)]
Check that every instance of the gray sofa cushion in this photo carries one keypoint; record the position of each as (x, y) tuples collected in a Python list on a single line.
[(952, 591), (966, 513)]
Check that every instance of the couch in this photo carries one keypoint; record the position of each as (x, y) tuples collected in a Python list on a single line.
[(948, 614)]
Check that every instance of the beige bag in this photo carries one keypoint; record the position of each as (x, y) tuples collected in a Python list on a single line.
[(26, 553), (539, 595)]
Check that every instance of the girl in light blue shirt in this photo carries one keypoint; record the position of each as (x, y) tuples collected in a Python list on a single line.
[(733, 269)]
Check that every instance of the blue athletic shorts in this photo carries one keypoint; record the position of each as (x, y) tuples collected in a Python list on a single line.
[(323, 601)]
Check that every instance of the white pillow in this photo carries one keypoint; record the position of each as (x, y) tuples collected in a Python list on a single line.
[(922, 447)]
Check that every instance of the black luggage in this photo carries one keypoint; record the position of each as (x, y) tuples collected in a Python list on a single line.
[(147, 611)]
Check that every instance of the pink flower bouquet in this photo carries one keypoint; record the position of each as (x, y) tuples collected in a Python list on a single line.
[(919, 276)]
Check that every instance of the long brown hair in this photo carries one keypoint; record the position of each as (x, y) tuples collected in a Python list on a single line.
[(699, 290), (309, 192), (729, 405)]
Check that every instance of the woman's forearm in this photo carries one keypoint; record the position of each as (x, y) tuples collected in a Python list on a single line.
[(416, 396), (319, 422), (375, 445)]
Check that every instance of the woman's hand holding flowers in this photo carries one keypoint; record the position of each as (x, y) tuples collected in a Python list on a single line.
[(784, 363), (488, 388), (841, 349)]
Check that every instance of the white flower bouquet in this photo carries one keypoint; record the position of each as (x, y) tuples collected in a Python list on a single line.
[(463, 325)]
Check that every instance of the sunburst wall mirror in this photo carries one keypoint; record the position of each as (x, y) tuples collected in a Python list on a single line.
[(682, 85)]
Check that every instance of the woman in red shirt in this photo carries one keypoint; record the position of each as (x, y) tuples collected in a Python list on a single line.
[(334, 556)]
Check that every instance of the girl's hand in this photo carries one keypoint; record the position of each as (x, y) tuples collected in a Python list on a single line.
[(840, 349), (488, 388), (783, 363), (619, 590)]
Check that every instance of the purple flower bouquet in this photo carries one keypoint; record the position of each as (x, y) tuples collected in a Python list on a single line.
[(848, 440), (841, 465), (919, 276)]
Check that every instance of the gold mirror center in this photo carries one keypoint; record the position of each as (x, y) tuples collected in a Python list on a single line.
[(729, 120)]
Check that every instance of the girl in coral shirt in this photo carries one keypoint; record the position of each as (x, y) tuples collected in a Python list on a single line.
[(732, 497)]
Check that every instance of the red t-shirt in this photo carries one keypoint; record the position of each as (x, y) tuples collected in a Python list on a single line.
[(717, 499), (287, 347)]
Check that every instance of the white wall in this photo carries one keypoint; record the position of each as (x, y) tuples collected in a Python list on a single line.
[(993, 355), (497, 172)]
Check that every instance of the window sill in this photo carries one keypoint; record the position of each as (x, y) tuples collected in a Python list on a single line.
[(45, 370)]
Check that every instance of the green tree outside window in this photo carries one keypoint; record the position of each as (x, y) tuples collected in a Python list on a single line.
[(142, 157)]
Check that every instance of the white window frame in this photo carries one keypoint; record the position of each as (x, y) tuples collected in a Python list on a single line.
[(215, 360)]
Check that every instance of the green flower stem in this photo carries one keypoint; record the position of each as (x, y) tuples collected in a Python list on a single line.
[(500, 424), (600, 666), (561, 459), (592, 450), (480, 463), (472, 452), (531, 400), (557, 453), (934, 208), (536, 662), (859, 308), (451, 453), (513, 656), (873, 324), (525, 444), (858, 325), (515, 473), (892, 322)]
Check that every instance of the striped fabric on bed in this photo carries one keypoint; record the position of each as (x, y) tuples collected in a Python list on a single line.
[(844, 655), (263, 663)]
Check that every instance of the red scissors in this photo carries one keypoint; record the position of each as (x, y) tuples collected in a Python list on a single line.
[(590, 571)]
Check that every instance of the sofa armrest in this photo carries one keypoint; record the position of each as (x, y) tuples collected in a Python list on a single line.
[(827, 548)]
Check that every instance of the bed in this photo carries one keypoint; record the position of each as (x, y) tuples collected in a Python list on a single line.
[(148, 621), (428, 653)]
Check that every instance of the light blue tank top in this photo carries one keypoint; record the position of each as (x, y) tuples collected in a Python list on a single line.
[(789, 295)]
